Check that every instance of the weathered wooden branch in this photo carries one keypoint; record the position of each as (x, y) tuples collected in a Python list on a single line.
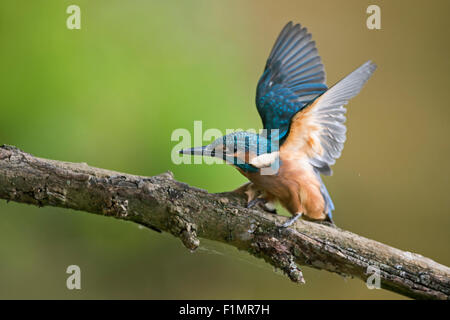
[(162, 203)]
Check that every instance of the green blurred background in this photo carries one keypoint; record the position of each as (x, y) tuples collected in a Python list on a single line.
[(111, 94)]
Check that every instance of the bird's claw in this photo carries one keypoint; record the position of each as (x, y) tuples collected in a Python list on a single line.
[(263, 203), (253, 202), (291, 220)]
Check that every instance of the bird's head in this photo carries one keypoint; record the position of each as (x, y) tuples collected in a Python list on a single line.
[(237, 148)]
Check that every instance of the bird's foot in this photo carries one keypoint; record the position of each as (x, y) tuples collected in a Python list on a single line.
[(262, 203), (291, 220), (255, 197), (250, 191), (254, 202)]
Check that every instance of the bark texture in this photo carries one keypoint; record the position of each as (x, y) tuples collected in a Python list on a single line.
[(189, 213)]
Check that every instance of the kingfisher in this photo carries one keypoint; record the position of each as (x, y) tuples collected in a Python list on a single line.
[(303, 130)]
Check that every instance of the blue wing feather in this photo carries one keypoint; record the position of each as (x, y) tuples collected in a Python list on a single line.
[(294, 76)]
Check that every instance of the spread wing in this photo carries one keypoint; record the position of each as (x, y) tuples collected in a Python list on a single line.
[(293, 77), (318, 130)]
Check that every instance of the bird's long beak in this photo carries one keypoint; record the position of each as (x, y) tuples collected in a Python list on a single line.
[(196, 151)]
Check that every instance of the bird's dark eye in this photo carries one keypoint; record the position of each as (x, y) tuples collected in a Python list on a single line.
[(235, 148)]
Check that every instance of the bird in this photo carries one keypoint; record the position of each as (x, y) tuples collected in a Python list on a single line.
[(303, 130)]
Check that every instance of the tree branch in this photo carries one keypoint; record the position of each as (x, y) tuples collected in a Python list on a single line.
[(160, 202)]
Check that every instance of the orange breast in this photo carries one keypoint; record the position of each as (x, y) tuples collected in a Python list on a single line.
[(295, 186)]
